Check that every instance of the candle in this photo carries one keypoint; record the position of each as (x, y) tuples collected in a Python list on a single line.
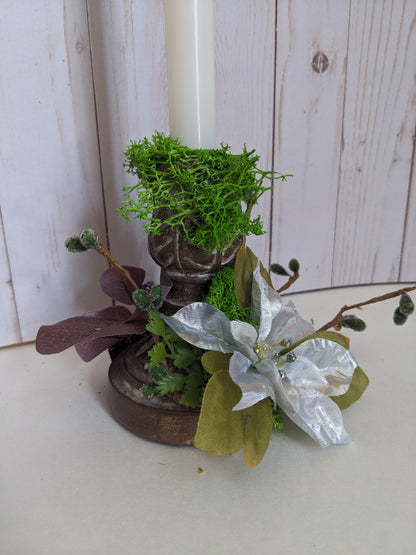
[(191, 84)]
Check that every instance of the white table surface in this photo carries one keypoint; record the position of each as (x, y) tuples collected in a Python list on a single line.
[(74, 482)]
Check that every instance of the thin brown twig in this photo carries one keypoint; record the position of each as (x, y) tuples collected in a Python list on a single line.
[(336, 322), (107, 254), (289, 282)]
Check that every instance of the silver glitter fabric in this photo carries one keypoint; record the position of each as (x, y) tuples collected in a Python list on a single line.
[(300, 382)]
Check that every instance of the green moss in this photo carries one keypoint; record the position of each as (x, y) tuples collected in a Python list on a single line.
[(209, 192), (221, 294)]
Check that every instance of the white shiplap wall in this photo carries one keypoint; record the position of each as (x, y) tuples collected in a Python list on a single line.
[(80, 78)]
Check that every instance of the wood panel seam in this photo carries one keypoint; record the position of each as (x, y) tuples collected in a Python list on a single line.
[(341, 146)]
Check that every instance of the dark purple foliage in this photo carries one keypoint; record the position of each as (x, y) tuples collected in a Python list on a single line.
[(94, 332)]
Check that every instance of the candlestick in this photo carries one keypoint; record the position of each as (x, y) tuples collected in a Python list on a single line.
[(190, 58)]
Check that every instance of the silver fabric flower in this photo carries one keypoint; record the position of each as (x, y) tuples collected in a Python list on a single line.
[(299, 382)]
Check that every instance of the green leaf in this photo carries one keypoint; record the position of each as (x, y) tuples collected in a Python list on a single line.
[(157, 372), (213, 361), (278, 269), (156, 325), (89, 239), (184, 357), (141, 298), (258, 429), (357, 387), (170, 383), (156, 354), (406, 305), (220, 429), (398, 317), (223, 431), (351, 321), (245, 264), (156, 296), (73, 244), (191, 397), (294, 265)]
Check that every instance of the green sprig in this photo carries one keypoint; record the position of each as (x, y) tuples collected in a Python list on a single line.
[(209, 193)]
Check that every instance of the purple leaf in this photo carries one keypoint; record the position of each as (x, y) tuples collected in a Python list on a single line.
[(67, 333), (116, 286), (102, 340)]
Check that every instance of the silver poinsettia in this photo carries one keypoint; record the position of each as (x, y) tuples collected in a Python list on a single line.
[(300, 382)]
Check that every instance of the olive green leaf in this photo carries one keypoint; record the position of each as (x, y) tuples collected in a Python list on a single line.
[(213, 361), (245, 264), (220, 429), (358, 385), (258, 429), (223, 431)]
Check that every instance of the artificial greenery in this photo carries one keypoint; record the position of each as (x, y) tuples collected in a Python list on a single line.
[(353, 322), (148, 299), (209, 193), (404, 310), (221, 294), (189, 381)]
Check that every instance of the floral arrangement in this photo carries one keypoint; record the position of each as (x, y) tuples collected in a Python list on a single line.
[(240, 355)]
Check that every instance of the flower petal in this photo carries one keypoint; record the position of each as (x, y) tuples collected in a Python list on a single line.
[(254, 386), (277, 321), (204, 326), (314, 412), (296, 389), (322, 364)]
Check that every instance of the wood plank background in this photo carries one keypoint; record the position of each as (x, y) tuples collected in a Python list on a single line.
[(323, 90)]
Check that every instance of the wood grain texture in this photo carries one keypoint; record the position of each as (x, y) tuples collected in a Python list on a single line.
[(130, 80), (49, 171), (379, 123), (309, 105), (244, 61), (330, 97), (408, 254), (9, 320)]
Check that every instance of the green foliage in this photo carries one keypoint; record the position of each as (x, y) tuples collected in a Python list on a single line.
[(157, 372), (406, 305), (148, 300), (281, 271), (149, 391), (209, 193), (157, 354), (223, 431), (170, 383), (358, 385), (73, 244), (156, 296), (294, 265), (221, 294), (191, 381), (184, 356), (398, 317), (141, 298), (192, 395), (277, 416), (354, 323), (212, 361), (245, 264), (89, 239), (278, 269), (156, 325)]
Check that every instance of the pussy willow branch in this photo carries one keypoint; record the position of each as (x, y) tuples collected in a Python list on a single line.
[(107, 254), (336, 322), (289, 282)]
